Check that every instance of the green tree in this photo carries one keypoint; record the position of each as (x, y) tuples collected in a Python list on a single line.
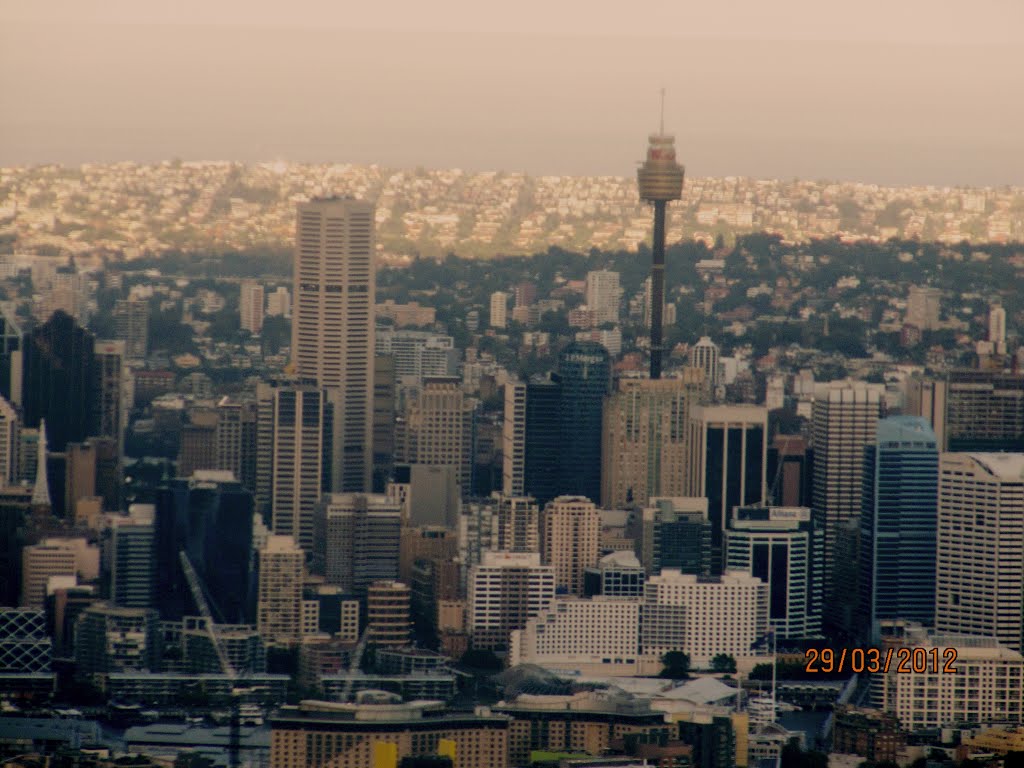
[(676, 665), (723, 662)]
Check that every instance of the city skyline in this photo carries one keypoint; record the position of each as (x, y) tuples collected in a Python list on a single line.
[(794, 91)]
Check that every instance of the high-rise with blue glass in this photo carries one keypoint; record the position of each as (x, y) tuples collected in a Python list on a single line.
[(898, 523), (585, 369)]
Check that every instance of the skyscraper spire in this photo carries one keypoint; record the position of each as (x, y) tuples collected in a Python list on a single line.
[(41, 491)]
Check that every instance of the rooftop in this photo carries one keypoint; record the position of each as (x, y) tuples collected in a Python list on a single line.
[(1005, 466), (914, 431)]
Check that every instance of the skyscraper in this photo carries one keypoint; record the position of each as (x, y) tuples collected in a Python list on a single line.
[(279, 591), (505, 590), (898, 522), (979, 569), (782, 547), (110, 397), (333, 325), (499, 309), (604, 295), (844, 418), (705, 355), (279, 303), (59, 380), (513, 439), (236, 440), (729, 459), (675, 533), (542, 462), (210, 517), (570, 536), (646, 448), (584, 372), (923, 307), (519, 524), (10, 358), (250, 306), (294, 428), (384, 391), (357, 539), (131, 545), (997, 328), (438, 429), (131, 324), (8, 443)]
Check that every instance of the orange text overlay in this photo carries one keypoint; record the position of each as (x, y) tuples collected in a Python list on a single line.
[(899, 660)]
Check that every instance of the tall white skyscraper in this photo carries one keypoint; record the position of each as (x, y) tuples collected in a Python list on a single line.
[(844, 419), (250, 306), (279, 591), (980, 559), (604, 295), (333, 325), (499, 309)]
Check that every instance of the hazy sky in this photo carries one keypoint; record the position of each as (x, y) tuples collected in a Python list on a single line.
[(893, 91)]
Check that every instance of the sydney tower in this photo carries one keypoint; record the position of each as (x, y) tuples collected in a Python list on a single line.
[(660, 179)]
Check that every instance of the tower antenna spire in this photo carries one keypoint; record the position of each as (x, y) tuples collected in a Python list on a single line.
[(661, 125)]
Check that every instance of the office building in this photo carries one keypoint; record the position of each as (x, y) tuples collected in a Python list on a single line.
[(294, 427), (519, 521), (979, 568), (790, 465), (923, 307), (384, 403), (388, 614), (333, 325), (59, 379), (603, 295), (600, 635), (898, 523), (428, 494), (235, 439), (15, 506), (111, 391), (997, 328), (730, 456), (427, 543), (675, 533), (10, 358), (499, 309), (111, 639), (986, 688), (131, 325), (279, 303), (542, 464), (646, 448), (250, 307), (279, 606), (617, 574), (781, 547), (584, 372), (418, 354), (505, 590), (478, 532), (212, 519), (25, 644), (570, 537), (8, 444), (844, 417), (704, 617), (357, 539), (513, 440), (131, 546), (199, 443), (438, 429), (984, 411), (40, 562), (379, 730), (584, 723), (705, 356)]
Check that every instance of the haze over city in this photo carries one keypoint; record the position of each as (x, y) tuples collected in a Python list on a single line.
[(892, 93)]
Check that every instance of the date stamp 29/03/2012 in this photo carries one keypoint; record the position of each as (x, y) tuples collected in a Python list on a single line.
[(902, 660)]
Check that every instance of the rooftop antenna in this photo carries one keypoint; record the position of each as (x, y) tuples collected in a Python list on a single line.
[(661, 127)]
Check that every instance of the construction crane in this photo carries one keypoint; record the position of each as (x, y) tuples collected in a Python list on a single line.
[(227, 668), (353, 667)]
